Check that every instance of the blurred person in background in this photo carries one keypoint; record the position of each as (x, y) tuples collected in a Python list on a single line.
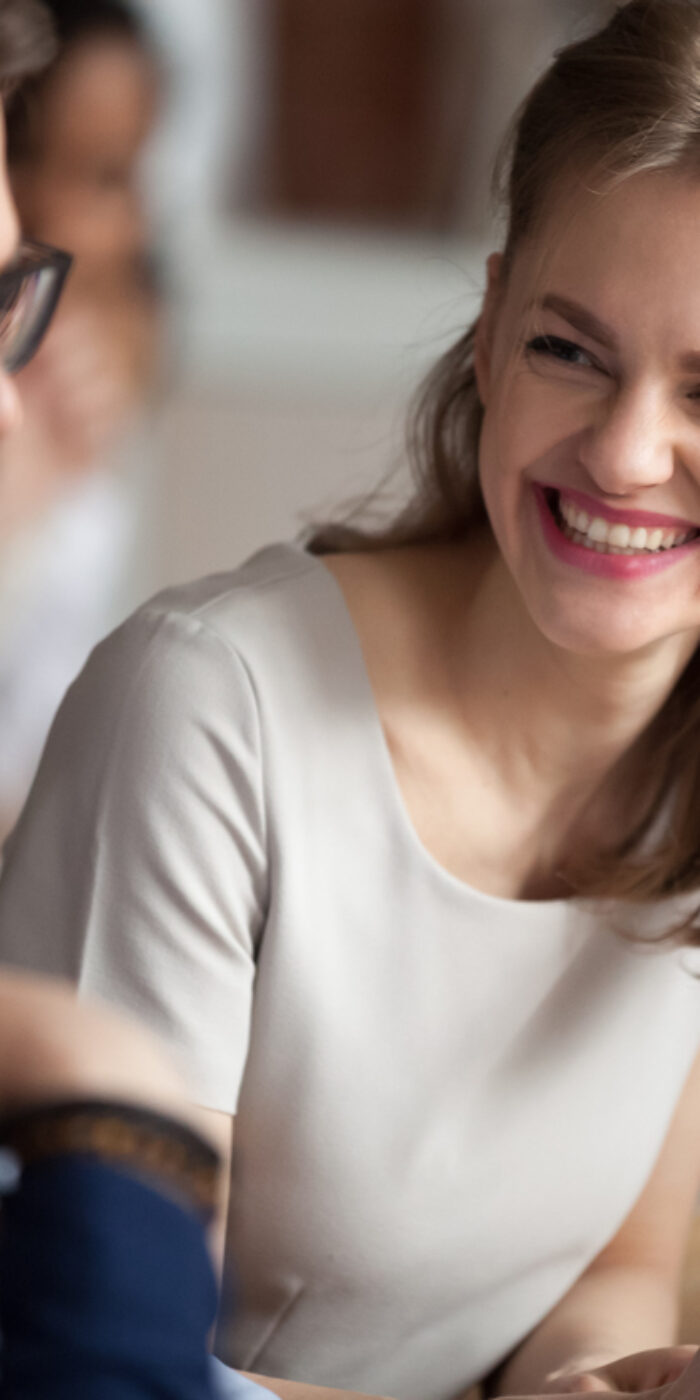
[(67, 501), (116, 1182)]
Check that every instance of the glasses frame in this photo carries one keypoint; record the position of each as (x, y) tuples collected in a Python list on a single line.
[(33, 257)]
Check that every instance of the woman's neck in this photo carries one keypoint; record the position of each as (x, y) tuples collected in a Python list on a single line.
[(474, 699), (550, 719)]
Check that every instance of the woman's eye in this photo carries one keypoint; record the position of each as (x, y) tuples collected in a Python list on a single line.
[(566, 351)]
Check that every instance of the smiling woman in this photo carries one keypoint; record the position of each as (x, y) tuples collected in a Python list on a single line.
[(327, 821), (596, 194)]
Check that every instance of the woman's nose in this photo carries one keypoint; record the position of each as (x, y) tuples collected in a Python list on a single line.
[(10, 405), (631, 445)]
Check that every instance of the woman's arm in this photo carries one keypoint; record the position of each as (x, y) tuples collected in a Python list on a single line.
[(627, 1300)]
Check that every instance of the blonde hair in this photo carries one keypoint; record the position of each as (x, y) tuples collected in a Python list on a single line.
[(619, 103)]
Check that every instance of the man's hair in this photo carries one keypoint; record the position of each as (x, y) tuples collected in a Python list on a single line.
[(27, 42), (80, 19)]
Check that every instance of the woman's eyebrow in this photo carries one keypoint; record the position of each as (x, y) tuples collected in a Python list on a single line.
[(580, 318), (583, 320)]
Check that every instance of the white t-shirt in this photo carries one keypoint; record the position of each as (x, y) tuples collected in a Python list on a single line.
[(446, 1102), (60, 585)]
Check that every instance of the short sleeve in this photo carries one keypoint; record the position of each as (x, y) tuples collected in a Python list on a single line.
[(138, 868)]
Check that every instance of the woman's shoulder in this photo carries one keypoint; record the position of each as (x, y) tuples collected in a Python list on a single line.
[(257, 593), (182, 690), (283, 598), (246, 611), (287, 635), (218, 648)]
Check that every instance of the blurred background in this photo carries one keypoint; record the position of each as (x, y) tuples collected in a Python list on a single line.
[(280, 213), (330, 242)]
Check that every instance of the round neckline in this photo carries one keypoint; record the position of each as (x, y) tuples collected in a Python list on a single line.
[(542, 907)]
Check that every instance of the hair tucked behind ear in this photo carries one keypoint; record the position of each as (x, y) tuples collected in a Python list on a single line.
[(619, 103)]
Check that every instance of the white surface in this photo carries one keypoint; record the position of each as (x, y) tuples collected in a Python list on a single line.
[(205, 47), (267, 305), (297, 353)]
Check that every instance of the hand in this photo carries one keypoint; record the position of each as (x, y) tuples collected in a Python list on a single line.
[(687, 1387), (668, 1373)]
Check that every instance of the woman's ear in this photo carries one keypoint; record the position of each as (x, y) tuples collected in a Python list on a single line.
[(485, 330)]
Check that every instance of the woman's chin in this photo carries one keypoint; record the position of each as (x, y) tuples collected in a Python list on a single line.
[(580, 619), (580, 632), (588, 617)]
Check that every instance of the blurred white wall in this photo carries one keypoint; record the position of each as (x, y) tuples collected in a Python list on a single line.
[(300, 351), (296, 349), (208, 50)]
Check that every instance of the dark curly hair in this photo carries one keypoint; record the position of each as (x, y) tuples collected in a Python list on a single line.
[(78, 19), (27, 42)]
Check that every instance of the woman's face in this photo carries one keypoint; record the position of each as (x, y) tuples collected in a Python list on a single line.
[(588, 365)]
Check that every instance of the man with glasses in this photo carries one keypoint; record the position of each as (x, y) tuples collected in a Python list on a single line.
[(30, 288), (32, 275), (107, 1290), (106, 1286)]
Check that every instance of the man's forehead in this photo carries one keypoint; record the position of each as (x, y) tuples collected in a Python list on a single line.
[(10, 237)]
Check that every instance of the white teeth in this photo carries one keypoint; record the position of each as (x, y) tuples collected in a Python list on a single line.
[(617, 538), (599, 531)]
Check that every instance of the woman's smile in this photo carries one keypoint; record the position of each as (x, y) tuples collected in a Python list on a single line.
[(611, 543)]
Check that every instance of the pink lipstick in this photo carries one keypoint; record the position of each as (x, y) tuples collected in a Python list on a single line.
[(568, 546), (645, 519)]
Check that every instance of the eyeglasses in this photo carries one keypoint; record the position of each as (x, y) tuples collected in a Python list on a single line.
[(29, 292)]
